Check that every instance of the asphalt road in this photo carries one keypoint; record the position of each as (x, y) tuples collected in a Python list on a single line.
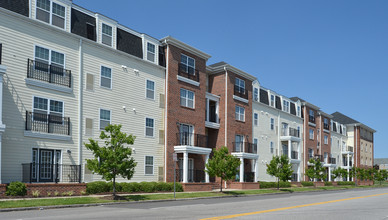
[(350, 204)]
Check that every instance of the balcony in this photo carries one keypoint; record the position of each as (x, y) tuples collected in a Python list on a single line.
[(249, 177), (212, 105), (290, 132), (312, 119), (48, 73), (193, 176), (49, 172), (332, 160), (47, 123), (326, 127), (347, 149), (240, 92), (188, 72), (294, 155), (238, 147), (294, 177), (319, 157), (345, 163), (191, 139)]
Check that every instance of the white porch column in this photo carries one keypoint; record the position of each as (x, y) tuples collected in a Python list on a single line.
[(256, 164), (348, 166), (206, 174), (185, 166), (289, 149), (329, 174), (207, 109), (2, 126), (242, 170)]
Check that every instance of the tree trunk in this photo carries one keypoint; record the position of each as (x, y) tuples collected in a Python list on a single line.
[(221, 185), (278, 184), (114, 188)]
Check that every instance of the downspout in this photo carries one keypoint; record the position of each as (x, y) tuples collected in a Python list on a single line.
[(355, 147), (278, 130), (165, 116), (80, 88), (226, 106), (305, 151)]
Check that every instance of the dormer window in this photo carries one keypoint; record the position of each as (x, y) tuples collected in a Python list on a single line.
[(106, 36), (286, 106), (298, 111), (272, 101), (150, 52), (51, 12), (256, 94)]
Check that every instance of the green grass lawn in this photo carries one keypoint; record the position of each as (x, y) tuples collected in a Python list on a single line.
[(50, 202)]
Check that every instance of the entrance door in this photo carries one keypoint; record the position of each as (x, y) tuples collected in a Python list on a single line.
[(190, 173), (186, 135), (46, 166)]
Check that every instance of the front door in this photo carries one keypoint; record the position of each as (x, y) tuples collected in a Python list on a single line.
[(46, 158), (46, 165), (190, 173)]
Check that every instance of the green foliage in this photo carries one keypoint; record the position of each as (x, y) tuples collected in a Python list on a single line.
[(114, 159), (345, 183), (35, 193), (369, 173), (327, 183), (222, 165), (306, 183), (148, 187), (380, 175), (339, 172), (316, 171), (104, 187), (16, 189), (280, 168), (265, 185), (97, 187)]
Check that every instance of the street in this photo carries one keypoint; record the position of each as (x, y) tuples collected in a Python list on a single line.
[(344, 204)]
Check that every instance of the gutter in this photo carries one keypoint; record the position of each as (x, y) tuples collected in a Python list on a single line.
[(80, 71), (165, 116)]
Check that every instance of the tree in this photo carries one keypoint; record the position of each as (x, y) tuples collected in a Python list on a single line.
[(316, 171), (339, 172), (114, 159), (222, 165), (380, 175), (280, 168), (370, 173)]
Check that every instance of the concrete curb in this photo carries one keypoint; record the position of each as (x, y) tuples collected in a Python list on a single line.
[(168, 200)]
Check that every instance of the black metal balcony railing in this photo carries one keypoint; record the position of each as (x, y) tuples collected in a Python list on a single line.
[(48, 73), (188, 72), (191, 139), (196, 176), (48, 172), (294, 155), (249, 177), (244, 147), (47, 123), (311, 119), (326, 126), (285, 152), (350, 148), (294, 177), (332, 160), (319, 157), (294, 132), (240, 92), (345, 163)]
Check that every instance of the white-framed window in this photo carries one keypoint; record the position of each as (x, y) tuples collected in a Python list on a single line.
[(255, 145), (44, 107), (256, 94), (298, 111), (150, 89), (311, 133), (151, 52), (105, 118), (187, 98), (311, 153), (47, 57), (272, 124), (272, 101), (271, 147), (51, 12), (149, 165), (326, 139), (240, 85), (240, 113), (106, 34), (188, 64), (239, 143), (286, 106), (149, 127), (311, 116), (256, 119), (106, 77)]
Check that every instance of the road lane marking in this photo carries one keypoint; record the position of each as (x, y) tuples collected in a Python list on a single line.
[(291, 207)]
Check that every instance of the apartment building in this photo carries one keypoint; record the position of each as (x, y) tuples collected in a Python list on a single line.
[(67, 73), (277, 130), (341, 151)]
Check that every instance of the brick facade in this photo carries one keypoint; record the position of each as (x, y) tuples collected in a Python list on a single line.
[(45, 189)]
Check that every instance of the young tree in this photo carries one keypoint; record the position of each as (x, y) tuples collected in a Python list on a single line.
[(339, 172), (380, 175), (316, 171), (222, 165), (370, 173), (114, 159), (280, 168)]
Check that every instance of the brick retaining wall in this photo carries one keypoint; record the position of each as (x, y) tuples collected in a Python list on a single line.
[(52, 188), (244, 185), (194, 187)]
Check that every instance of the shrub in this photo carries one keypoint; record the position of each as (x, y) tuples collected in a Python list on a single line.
[(35, 193), (306, 183), (178, 187), (70, 193), (265, 185), (56, 193), (164, 187), (118, 187), (16, 189), (345, 183), (48, 194), (328, 183), (97, 187), (148, 186)]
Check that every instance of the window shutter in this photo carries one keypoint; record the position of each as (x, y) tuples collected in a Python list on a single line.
[(89, 126), (161, 100), (160, 173), (1, 49), (89, 81), (161, 136)]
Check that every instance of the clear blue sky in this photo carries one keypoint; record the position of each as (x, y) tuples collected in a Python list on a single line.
[(332, 53)]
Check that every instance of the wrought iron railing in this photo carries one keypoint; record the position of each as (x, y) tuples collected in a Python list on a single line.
[(47, 123), (196, 176), (319, 157), (333, 160), (294, 177), (294, 155), (249, 176), (326, 126), (48, 73), (192, 139), (294, 132), (244, 147), (188, 72), (49, 172), (240, 92)]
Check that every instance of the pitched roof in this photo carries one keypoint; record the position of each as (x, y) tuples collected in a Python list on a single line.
[(295, 99), (218, 64), (343, 119), (379, 161)]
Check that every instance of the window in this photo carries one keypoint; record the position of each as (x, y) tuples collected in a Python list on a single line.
[(150, 89), (311, 153), (105, 116), (311, 134), (188, 64), (326, 139), (186, 134), (106, 77), (240, 85), (51, 12), (311, 116), (240, 113), (272, 101), (286, 106), (272, 124), (255, 119), (149, 127), (150, 52), (239, 143), (187, 98), (298, 111), (256, 94), (255, 144), (326, 123), (44, 107), (45, 57), (106, 35), (271, 147), (149, 165)]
